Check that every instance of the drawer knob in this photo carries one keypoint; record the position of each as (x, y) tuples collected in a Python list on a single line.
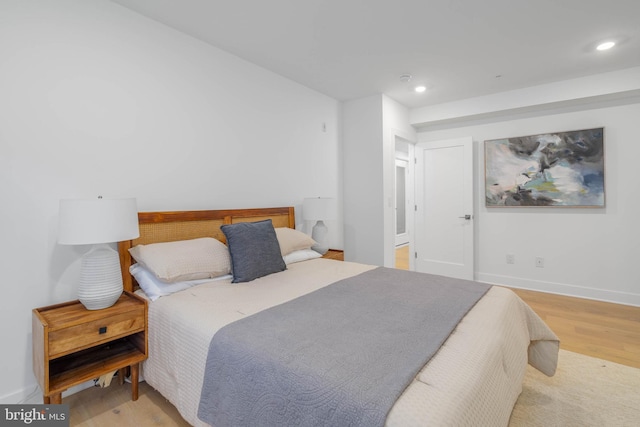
[(102, 330)]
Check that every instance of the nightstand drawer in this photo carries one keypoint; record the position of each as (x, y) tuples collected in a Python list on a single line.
[(75, 338)]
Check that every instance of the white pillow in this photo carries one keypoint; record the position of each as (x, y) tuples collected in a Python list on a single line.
[(301, 255), (292, 240), (202, 258), (155, 288)]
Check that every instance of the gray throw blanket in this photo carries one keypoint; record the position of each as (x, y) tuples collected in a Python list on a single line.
[(339, 356)]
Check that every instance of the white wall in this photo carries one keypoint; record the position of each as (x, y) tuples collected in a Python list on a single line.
[(591, 253), (370, 127), (363, 197), (96, 99)]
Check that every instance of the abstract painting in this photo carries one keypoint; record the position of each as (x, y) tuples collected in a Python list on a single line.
[(551, 169)]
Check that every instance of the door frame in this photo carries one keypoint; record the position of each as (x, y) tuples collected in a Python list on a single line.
[(403, 238), (408, 141)]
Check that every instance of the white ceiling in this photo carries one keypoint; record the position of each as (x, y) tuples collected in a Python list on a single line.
[(349, 49)]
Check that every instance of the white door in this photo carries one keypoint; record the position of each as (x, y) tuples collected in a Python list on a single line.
[(444, 208), (402, 179)]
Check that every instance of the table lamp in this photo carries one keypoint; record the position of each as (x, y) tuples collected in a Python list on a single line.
[(98, 222), (319, 209)]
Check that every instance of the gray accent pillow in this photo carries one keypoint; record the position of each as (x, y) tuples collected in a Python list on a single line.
[(254, 250)]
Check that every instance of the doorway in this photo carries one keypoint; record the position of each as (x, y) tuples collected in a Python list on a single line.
[(403, 202)]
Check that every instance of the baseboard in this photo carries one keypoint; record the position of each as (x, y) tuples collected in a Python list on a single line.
[(607, 295), (33, 395), (30, 394)]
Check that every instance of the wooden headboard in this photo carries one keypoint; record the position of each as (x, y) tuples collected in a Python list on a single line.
[(157, 227)]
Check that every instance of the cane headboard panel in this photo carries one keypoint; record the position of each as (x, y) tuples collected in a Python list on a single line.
[(157, 227)]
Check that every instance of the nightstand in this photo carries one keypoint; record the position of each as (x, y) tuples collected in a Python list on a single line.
[(334, 254), (72, 345)]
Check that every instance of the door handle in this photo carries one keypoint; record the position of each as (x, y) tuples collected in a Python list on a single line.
[(467, 217)]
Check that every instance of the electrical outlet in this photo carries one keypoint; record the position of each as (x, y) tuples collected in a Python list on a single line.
[(539, 262), (511, 259)]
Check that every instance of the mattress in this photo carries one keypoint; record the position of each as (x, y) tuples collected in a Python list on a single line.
[(474, 379)]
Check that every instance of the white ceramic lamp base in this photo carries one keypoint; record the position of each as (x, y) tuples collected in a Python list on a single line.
[(100, 278), (319, 234)]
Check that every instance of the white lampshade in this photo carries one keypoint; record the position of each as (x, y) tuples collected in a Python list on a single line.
[(91, 221), (98, 221), (319, 209)]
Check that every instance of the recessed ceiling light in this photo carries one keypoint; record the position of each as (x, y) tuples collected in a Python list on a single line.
[(420, 89), (605, 45)]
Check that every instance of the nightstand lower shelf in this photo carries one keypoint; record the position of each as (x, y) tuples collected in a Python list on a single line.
[(86, 365)]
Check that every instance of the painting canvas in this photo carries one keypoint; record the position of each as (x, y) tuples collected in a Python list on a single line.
[(553, 169)]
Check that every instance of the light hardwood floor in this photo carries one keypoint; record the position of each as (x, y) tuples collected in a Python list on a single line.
[(402, 257), (595, 328), (598, 329)]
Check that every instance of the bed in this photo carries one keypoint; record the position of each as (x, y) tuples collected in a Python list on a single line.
[(474, 378)]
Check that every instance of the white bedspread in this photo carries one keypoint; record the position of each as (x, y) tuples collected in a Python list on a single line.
[(474, 379)]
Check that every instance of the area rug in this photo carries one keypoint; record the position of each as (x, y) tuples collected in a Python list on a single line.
[(585, 391)]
